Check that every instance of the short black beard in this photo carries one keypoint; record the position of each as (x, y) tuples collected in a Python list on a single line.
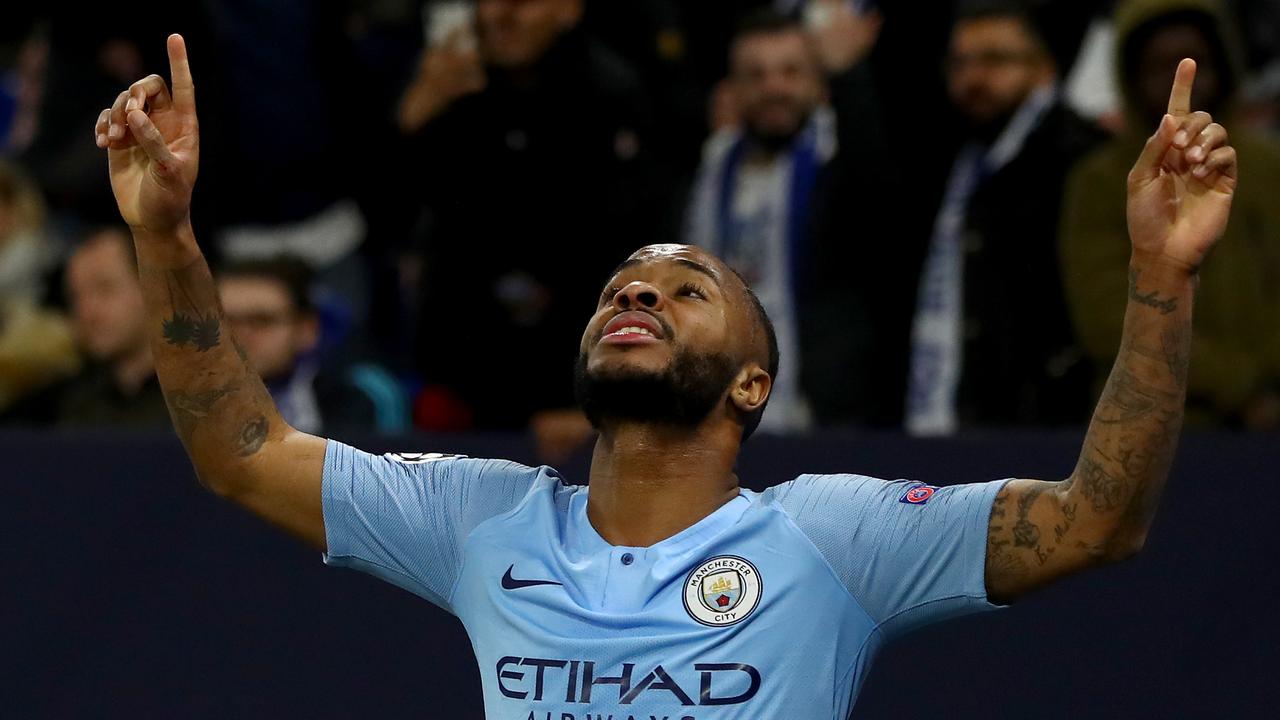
[(774, 143), (682, 396)]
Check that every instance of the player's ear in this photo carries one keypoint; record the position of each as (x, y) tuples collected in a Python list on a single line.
[(750, 388)]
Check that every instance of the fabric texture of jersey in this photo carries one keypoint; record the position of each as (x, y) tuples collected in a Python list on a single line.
[(770, 607)]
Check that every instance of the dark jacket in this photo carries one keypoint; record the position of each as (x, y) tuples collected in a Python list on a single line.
[(833, 249), (534, 192), (841, 276), (1021, 363), (93, 399)]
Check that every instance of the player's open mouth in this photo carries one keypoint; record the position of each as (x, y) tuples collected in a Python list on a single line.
[(631, 328)]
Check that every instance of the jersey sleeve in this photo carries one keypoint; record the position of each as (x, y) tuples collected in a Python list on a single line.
[(405, 519), (908, 553)]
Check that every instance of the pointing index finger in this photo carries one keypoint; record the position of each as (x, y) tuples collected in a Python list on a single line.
[(1180, 96), (184, 91)]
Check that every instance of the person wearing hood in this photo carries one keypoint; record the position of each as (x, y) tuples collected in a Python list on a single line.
[(1235, 377)]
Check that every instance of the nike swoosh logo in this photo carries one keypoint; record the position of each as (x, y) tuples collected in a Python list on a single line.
[(510, 583)]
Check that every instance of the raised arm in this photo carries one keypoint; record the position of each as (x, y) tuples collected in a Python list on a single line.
[(1180, 194), (240, 446)]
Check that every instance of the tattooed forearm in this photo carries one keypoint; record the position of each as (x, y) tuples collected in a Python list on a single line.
[(220, 408), (202, 333), (1125, 398), (188, 408), (1131, 443), (1150, 299), (194, 319), (1039, 530)]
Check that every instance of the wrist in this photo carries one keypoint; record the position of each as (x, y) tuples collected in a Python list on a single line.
[(171, 247), (1158, 266)]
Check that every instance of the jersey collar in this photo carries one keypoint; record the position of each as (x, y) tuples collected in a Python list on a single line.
[(584, 539)]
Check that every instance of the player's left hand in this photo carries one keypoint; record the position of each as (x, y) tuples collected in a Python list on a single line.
[(1180, 189)]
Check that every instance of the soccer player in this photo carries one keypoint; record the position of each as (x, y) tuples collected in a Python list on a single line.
[(664, 589)]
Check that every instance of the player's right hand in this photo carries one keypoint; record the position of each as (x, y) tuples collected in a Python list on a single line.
[(153, 147)]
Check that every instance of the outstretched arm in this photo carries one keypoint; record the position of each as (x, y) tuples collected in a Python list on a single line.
[(1180, 193), (240, 446)]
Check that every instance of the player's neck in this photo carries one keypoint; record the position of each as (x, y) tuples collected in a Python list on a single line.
[(650, 482)]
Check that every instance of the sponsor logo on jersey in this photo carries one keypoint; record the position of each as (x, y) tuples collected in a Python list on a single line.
[(722, 591), (557, 680), (918, 495), (419, 458)]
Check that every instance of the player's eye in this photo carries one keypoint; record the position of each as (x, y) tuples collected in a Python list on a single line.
[(691, 290)]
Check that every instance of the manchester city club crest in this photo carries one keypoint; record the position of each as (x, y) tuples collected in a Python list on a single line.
[(722, 591)]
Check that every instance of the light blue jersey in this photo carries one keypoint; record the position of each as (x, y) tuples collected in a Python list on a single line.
[(770, 607)]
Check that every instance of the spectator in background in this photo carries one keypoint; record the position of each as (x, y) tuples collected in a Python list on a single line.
[(92, 51), (36, 346), (991, 342), (1235, 354), (269, 308), (535, 171), (785, 198), (303, 197), (1261, 86), (118, 387)]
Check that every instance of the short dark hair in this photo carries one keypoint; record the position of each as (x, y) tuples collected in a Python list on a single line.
[(752, 420), (117, 232), (292, 272), (764, 21), (1025, 12)]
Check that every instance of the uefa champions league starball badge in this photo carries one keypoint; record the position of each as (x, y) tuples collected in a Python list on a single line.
[(722, 591)]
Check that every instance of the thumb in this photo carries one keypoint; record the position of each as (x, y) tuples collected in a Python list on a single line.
[(1151, 160), (152, 142)]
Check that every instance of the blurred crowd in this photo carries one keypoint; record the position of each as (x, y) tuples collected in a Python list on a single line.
[(412, 207)]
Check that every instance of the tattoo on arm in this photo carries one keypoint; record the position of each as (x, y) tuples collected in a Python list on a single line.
[(190, 408), (201, 333), (191, 323), (252, 436), (1003, 562), (1151, 299), (1026, 533), (212, 392), (1104, 490)]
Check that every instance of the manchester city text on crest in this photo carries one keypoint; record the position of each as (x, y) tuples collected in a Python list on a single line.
[(722, 591)]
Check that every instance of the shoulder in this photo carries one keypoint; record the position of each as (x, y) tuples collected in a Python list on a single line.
[(1073, 131), (836, 493), (849, 499), (1062, 138)]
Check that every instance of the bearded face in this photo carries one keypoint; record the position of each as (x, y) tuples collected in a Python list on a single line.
[(681, 395), (778, 84)]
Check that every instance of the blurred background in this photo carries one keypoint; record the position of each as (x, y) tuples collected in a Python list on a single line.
[(412, 207)]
